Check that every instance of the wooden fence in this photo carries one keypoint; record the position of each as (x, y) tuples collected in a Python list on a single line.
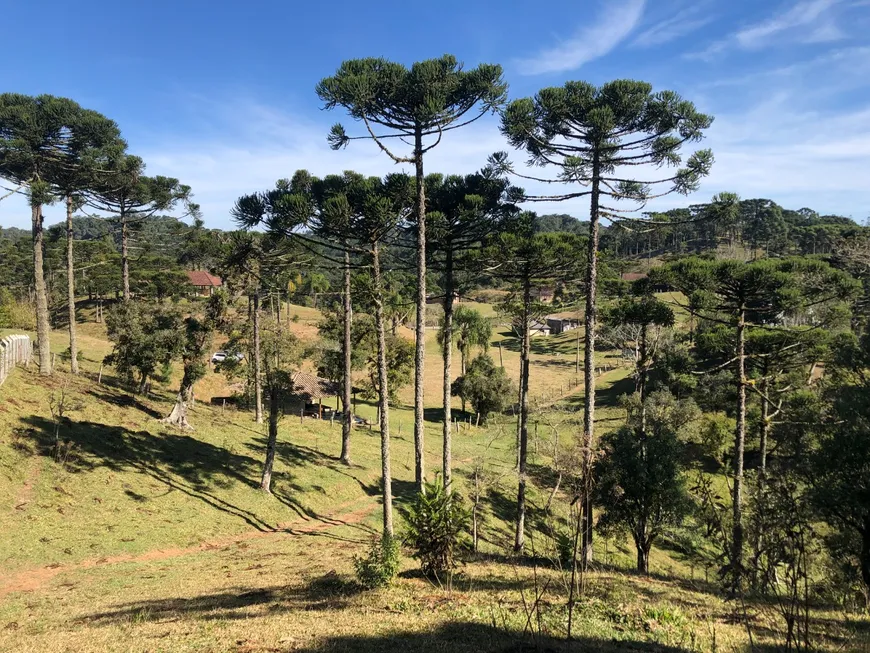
[(13, 350)]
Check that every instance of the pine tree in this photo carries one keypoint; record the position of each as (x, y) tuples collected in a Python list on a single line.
[(526, 259), (416, 105), (594, 137), (463, 211)]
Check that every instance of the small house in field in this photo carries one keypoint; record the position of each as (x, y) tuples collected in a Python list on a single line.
[(311, 391), (562, 324), (204, 283)]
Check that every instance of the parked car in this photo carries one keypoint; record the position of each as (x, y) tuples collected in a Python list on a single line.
[(221, 356)]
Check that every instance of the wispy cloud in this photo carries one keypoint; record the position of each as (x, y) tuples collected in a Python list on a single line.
[(808, 21), (613, 25), (680, 24), (803, 14)]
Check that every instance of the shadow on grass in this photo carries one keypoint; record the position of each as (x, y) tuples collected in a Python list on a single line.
[(328, 592), (179, 461), (609, 396), (460, 637), (125, 401)]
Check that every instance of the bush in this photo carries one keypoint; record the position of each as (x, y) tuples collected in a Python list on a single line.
[(379, 566), (486, 387), (437, 521), (14, 313)]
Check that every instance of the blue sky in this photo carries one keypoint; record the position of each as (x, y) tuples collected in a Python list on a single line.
[(221, 94)]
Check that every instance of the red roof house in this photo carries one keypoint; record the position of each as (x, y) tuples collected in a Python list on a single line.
[(204, 282)]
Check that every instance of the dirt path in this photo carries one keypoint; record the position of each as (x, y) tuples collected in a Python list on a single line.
[(29, 580)]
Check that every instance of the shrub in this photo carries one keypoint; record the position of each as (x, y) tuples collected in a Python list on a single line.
[(379, 566), (486, 387), (15, 313), (437, 521)]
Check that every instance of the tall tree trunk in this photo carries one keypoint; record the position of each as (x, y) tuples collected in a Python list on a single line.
[(764, 429), (178, 416), (739, 445), (642, 376), (864, 558), (43, 328), (125, 257), (347, 371), (383, 395), (420, 351), (274, 409), (520, 536), (71, 288), (590, 323), (447, 350), (258, 381)]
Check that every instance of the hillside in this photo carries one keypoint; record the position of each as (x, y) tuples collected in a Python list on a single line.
[(144, 538)]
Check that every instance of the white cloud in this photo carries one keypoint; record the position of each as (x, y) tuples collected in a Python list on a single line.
[(600, 36), (802, 14), (808, 21), (682, 23)]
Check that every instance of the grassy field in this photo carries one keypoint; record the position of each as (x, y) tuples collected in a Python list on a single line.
[(148, 539)]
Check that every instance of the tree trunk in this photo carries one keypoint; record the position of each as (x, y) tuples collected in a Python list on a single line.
[(463, 363), (474, 527), (643, 549), (865, 552), (642, 376), (125, 257), (43, 329), (274, 409), (420, 351), (71, 288), (178, 416), (258, 381), (347, 372), (739, 445), (447, 350), (764, 430), (383, 395), (590, 324), (520, 537)]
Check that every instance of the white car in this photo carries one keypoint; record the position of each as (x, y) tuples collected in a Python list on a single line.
[(221, 356)]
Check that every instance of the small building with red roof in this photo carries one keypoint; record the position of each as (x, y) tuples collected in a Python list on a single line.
[(204, 282)]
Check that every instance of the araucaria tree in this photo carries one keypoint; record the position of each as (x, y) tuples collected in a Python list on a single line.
[(527, 260), (740, 295), (125, 193), (416, 105), (36, 135), (606, 144), (463, 212), (78, 169), (243, 268)]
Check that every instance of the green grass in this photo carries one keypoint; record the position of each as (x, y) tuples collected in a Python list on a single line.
[(150, 539)]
